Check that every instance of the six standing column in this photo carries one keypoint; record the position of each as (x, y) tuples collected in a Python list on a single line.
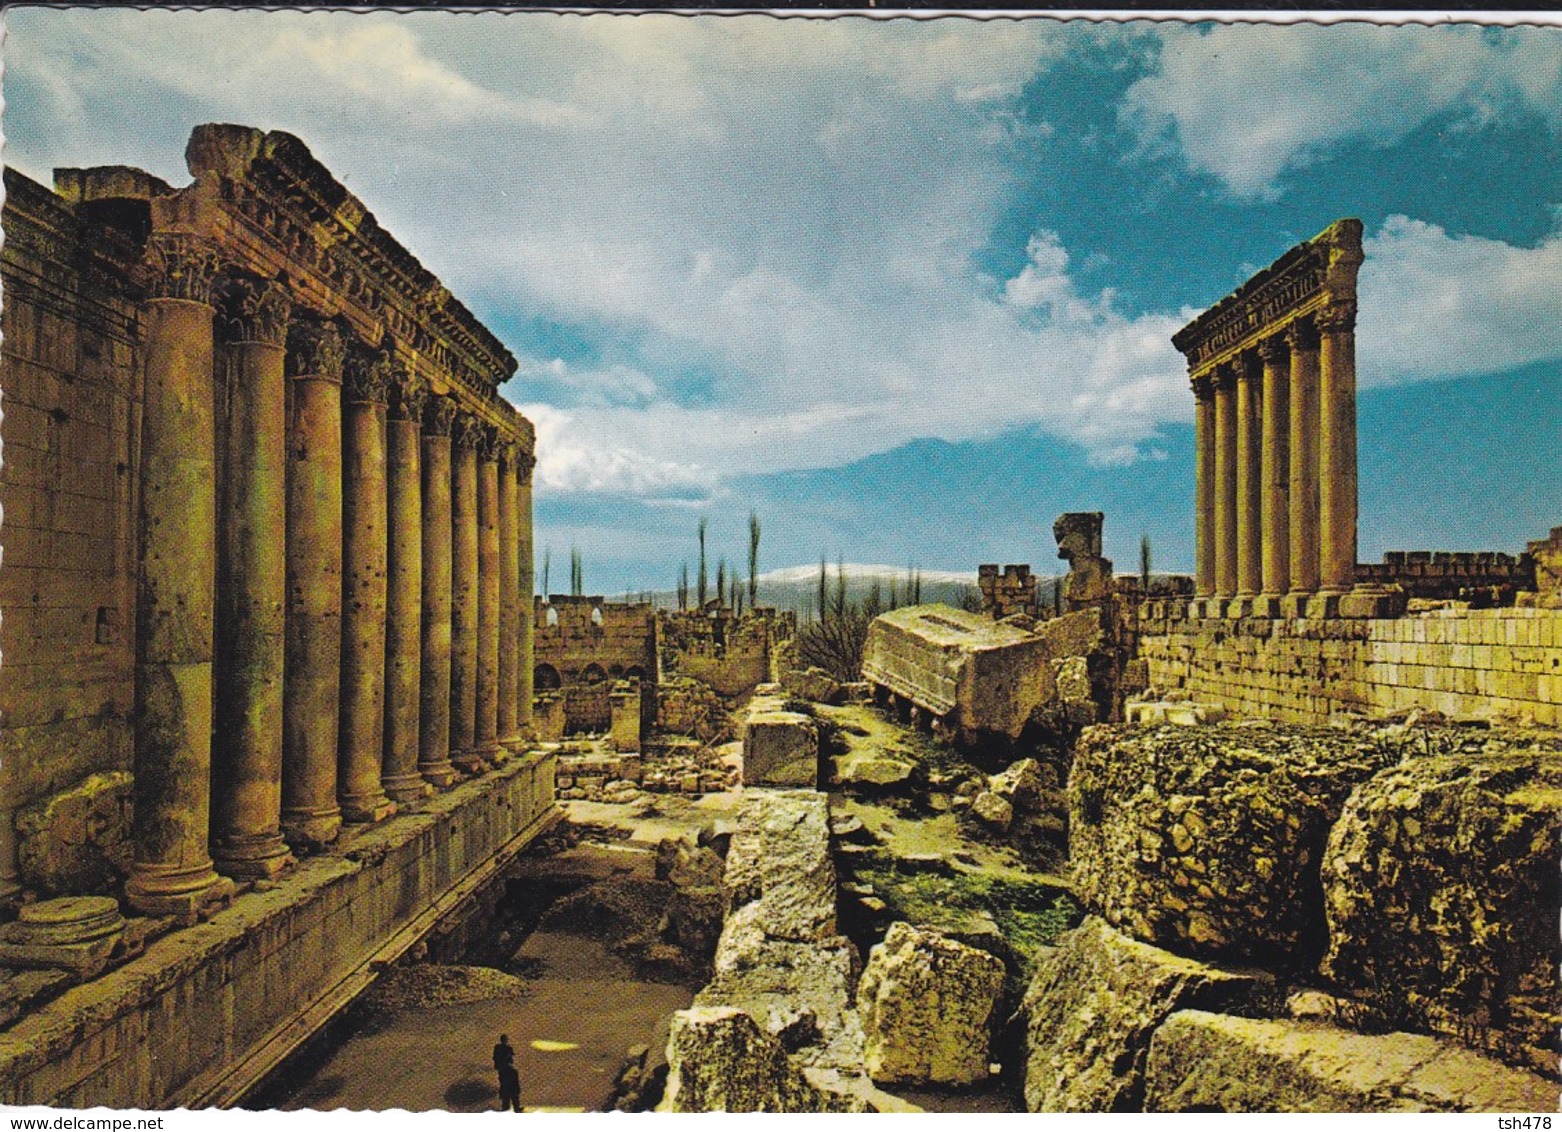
[(485, 739), (466, 436), (509, 598), (1275, 475), (404, 587), (434, 726), (1337, 447)]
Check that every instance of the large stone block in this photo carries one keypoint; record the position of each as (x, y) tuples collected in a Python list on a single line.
[(1092, 1008), (780, 748), (1202, 1062), (1208, 840), (78, 841), (720, 1060), (1440, 884), (926, 1003)]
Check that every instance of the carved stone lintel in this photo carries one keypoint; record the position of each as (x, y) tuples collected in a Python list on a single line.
[(409, 393), (1301, 335), (256, 310), (182, 266), (468, 432), (1337, 316), (439, 415), (315, 349), (1273, 350), (367, 376)]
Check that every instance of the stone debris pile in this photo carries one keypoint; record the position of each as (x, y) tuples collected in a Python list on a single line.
[(599, 775)]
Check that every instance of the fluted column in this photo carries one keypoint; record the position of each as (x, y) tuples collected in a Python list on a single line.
[(434, 675), (1248, 482), (466, 436), (486, 728), (171, 872), (1225, 482), (404, 587), (1204, 484), (1303, 341), (509, 597), (1275, 472), (252, 568), (1337, 447), (364, 549), (312, 686), (525, 661)]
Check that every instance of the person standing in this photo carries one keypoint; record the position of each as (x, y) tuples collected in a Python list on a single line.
[(509, 1076)]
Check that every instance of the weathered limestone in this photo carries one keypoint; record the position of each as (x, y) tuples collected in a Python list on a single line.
[(926, 1003), (434, 703), (525, 674), (1439, 882), (76, 933), (1302, 339), (625, 729), (1089, 582), (1225, 516), (78, 841), (720, 1060), (508, 718), (311, 691), (252, 589), (466, 437), (364, 549), (1249, 483), (1203, 1062), (400, 776), (1275, 475), (485, 730), (1337, 448), (1093, 1007), (1208, 839), (176, 590), (780, 748), (1204, 485)]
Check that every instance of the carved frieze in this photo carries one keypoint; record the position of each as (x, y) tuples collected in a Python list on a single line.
[(315, 349)]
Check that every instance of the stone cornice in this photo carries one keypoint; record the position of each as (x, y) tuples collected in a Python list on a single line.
[(1312, 278)]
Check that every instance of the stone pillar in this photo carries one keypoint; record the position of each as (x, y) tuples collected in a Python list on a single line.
[(1248, 481), (171, 872), (1303, 341), (1275, 472), (311, 689), (252, 567), (364, 550), (434, 675), (467, 435), (1204, 485), (1337, 447), (400, 775), (1225, 482), (486, 728), (525, 657), (509, 598)]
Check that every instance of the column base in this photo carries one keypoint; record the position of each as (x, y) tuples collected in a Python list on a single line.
[(261, 855), (1240, 606), (439, 775), (367, 809), (404, 789), (469, 762), (1201, 607), (1324, 605), (1293, 606), (1373, 602), (311, 828), (1267, 606), (516, 744), (170, 890)]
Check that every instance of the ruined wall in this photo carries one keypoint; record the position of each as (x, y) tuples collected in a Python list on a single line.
[(730, 653), (1457, 661), (67, 487), (583, 644), (1484, 578)]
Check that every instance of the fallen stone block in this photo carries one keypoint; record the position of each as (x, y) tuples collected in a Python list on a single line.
[(1093, 1006), (78, 840), (1203, 1062), (720, 1060), (871, 773), (1208, 840), (926, 1004), (813, 684), (1440, 888), (993, 811), (1024, 785), (780, 748)]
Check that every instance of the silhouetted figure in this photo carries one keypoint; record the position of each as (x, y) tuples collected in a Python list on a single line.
[(509, 1076)]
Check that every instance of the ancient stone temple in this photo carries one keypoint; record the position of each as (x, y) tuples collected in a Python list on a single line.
[(267, 584)]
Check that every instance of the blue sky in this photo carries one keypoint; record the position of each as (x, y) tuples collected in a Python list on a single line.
[(905, 288)]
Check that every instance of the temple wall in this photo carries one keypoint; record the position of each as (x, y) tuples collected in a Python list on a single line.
[(1462, 662), (587, 643)]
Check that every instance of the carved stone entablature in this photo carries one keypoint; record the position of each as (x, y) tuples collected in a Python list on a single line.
[(256, 310), (315, 349), (1311, 278), (367, 376), (282, 210), (439, 416), (409, 393), (468, 432), (181, 266)]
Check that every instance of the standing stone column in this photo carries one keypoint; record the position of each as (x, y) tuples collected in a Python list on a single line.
[(251, 626), (312, 687), (1225, 482), (364, 550), (525, 659), (467, 435), (171, 873), (434, 677), (1337, 447), (1275, 473), (1204, 484), (1303, 340), (1248, 481), (486, 731), (509, 597), (400, 775)]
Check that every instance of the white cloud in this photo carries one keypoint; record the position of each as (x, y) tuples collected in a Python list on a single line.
[(1247, 102)]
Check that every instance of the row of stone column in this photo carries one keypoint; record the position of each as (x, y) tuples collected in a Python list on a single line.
[(342, 626), (1275, 454)]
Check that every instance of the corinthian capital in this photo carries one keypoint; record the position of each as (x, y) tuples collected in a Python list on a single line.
[(314, 349), (256, 310), (367, 376), (408, 393), (1301, 335), (182, 267), (468, 432), (1337, 316), (525, 461), (439, 416), (1272, 351)]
